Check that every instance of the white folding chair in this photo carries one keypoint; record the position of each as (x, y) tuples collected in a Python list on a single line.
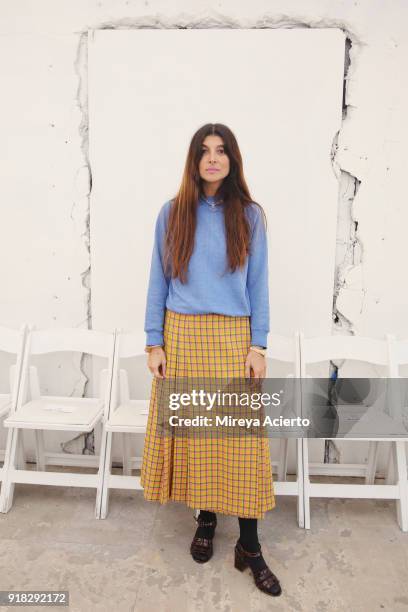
[(126, 417), (371, 351), (56, 413), (11, 341), (286, 349)]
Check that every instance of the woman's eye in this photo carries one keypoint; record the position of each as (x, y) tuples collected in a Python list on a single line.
[(221, 151)]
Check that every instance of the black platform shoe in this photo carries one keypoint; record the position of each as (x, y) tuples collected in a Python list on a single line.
[(202, 548), (265, 580)]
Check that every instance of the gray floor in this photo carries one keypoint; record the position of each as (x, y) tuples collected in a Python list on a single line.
[(354, 558)]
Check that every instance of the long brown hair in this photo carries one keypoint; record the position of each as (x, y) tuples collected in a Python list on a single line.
[(179, 242)]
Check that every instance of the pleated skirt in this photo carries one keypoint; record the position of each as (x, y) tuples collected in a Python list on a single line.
[(231, 474)]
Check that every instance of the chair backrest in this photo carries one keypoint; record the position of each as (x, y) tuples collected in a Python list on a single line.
[(286, 349), (13, 341), (89, 341), (359, 348), (128, 344), (42, 341)]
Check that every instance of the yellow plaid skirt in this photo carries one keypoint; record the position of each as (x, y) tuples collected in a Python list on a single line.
[(230, 475)]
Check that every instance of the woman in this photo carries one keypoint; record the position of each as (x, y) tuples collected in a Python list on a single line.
[(207, 315)]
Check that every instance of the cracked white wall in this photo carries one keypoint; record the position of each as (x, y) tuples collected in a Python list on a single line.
[(44, 194), (45, 275), (371, 298)]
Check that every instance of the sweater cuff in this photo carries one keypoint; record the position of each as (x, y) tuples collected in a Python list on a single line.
[(259, 337), (154, 337)]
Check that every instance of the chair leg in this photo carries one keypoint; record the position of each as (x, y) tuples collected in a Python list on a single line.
[(371, 462), (104, 507), (21, 462), (101, 473), (300, 482), (400, 458), (283, 459), (39, 450), (306, 481), (10, 458), (390, 475), (126, 446)]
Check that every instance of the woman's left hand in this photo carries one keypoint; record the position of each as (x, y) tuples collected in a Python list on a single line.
[(256, 363)]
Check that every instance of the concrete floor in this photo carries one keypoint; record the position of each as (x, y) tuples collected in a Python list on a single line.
[(355, 558)]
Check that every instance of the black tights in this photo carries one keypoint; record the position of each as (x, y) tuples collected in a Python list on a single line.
[(248, 534), (248, 537), (248, 530)]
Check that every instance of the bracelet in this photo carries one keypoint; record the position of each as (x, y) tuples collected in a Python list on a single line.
[(259, 350), (150, 347)]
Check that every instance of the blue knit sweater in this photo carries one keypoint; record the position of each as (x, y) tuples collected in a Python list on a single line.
[(209, 287)]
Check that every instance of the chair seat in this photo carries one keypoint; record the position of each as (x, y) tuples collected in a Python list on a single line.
[(130, 416), (58, 413), (5, 402)]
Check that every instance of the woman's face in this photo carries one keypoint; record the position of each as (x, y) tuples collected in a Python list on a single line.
[(214, 164)]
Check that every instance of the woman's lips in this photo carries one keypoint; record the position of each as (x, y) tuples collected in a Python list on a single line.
[(212, 170)]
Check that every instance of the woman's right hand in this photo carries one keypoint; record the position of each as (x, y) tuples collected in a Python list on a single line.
[(156, 362)]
